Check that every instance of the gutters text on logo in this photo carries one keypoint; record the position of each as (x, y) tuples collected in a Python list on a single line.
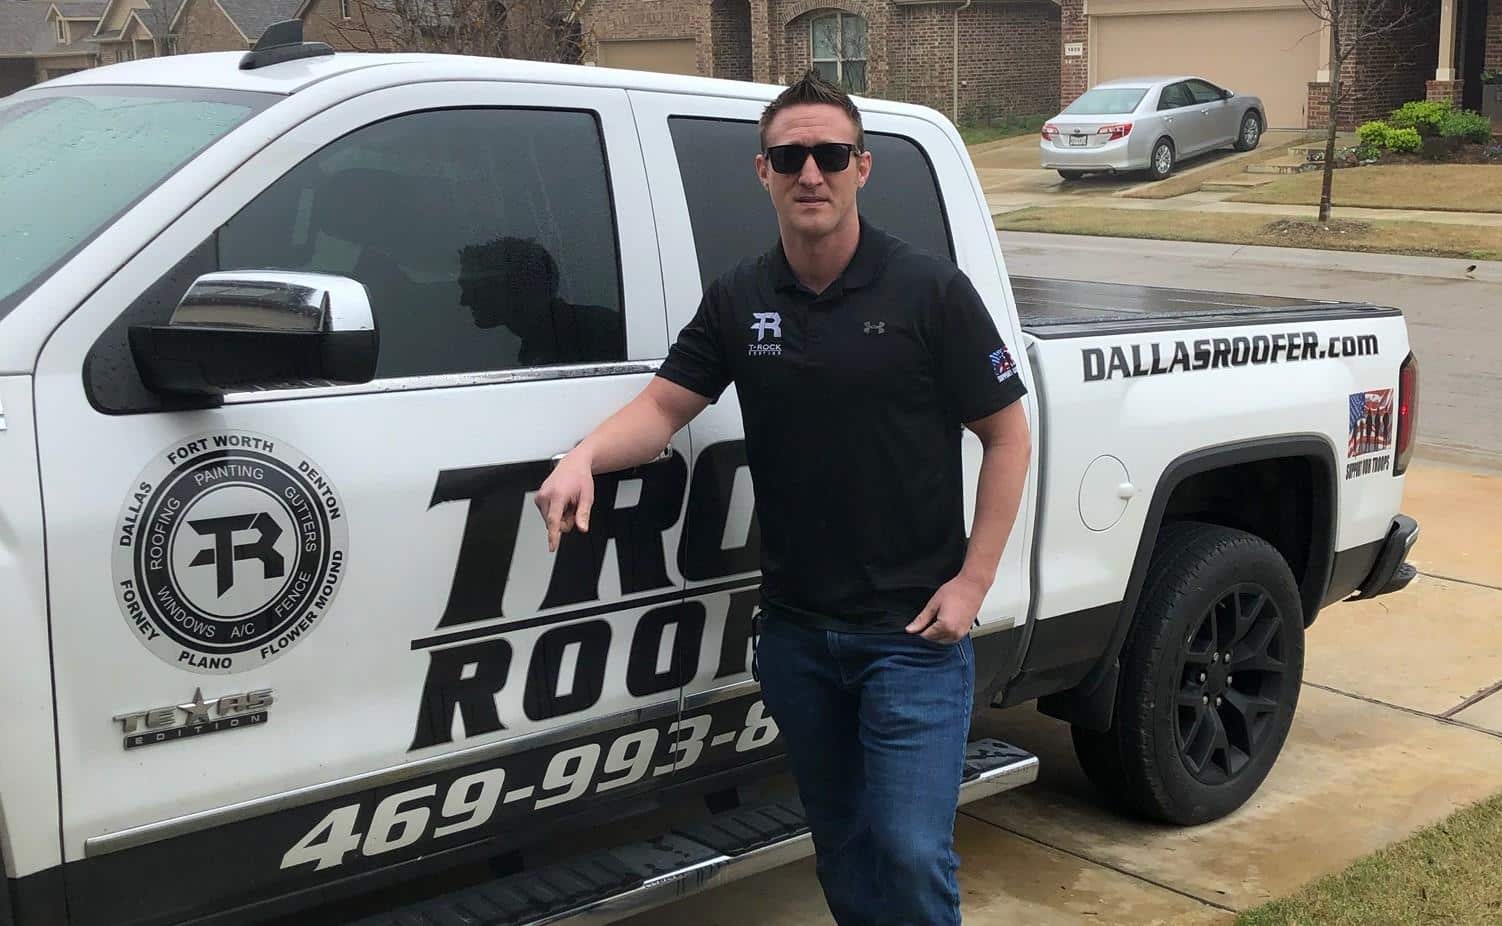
[(1156, 359)]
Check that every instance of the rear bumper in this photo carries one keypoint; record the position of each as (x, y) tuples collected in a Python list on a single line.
[(1392, 571), (1116, 156)]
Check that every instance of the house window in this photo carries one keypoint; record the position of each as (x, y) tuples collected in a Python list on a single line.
[(62, 32), (344, 9), (838, 45), (127, 52)]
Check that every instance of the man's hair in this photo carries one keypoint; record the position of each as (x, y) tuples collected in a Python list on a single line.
[(813, 88)]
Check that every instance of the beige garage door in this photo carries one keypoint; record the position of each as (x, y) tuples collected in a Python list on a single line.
[(1269, 53), (673, 56)]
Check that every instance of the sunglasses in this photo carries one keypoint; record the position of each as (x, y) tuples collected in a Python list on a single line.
[(832, 157)]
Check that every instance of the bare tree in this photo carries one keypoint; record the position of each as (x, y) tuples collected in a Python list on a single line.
[(1354, 25), (157, 17), (540, 30)]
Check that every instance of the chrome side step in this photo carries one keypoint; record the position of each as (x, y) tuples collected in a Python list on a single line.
[(607, 886)]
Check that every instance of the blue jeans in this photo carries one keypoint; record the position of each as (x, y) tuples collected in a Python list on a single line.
[(875, 727)]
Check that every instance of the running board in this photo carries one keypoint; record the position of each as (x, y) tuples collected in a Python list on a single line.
[(610, 885)]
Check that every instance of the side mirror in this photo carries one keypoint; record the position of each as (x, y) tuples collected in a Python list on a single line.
[(244, 330), (1227, 94)]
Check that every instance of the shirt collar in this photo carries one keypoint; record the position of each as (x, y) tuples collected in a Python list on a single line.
[(864, 267)]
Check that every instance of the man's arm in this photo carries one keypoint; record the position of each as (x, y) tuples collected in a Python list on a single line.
[(1006, 454), (630, 437), (641, 429), (1007, 451)]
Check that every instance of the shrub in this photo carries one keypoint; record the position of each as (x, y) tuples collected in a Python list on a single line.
[(1373, 134), (1404, 140), (1424, 116), (1470, 126)]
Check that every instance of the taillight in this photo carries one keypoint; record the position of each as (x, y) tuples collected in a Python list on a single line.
[(1408, 412), (1050, 132), (1120, 130)]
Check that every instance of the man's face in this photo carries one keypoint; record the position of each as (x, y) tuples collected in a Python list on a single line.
[(812, 202)]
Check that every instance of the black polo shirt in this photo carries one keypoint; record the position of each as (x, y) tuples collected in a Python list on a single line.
[(852, 402)]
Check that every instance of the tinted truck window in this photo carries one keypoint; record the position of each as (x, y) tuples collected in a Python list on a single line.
[(732, 216), (485, 238)]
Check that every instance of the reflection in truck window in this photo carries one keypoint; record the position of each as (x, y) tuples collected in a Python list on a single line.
[(485, 237)]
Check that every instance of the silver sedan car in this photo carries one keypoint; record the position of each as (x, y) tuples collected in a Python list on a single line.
[(1149, 124)]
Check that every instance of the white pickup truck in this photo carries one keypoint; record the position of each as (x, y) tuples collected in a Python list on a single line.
[(282, 627)]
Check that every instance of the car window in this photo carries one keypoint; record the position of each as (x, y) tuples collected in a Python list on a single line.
[(485, 238), (1174, 96), (1107, 101), (733, 218), (1204, 93), (73, 160)]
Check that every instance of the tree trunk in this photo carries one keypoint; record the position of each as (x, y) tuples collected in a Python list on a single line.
[(1334, 116)]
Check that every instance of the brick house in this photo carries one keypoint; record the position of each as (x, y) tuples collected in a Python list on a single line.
[(40, 41), (972, 60), (1279, 51)]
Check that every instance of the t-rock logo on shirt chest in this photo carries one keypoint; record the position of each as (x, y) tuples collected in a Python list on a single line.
[(767, 324)]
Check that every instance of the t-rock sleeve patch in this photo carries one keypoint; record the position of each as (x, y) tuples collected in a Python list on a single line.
[(228, 551)]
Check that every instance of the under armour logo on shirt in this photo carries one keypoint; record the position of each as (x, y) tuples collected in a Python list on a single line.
[(876, 328)]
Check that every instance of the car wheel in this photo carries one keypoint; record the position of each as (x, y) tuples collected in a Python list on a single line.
[(1210, 676), (1071, 174), (1250, 134), (1162, 161)]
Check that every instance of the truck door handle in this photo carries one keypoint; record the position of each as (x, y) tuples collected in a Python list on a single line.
[(666, 454)]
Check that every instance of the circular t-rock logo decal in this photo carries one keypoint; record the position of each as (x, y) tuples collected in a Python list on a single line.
[(229, 552)]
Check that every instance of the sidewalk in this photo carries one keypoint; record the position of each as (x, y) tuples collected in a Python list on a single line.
[(1004, 202)]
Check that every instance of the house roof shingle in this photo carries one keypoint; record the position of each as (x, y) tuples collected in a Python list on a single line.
[(82, 9), (21, 21), (256, 16)]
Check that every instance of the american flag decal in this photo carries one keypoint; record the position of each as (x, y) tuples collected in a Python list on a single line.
[(1371, 422), (1002, 365)]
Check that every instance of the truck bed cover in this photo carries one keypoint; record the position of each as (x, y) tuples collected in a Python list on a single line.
[(1053, 308)]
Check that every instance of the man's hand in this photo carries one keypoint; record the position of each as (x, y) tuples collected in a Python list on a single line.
[(950, 614), (566, 497)]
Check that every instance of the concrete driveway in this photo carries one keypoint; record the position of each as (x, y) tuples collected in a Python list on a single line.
[(1009, 171), (1399, 723)]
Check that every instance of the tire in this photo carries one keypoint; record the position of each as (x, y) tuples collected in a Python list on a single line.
[(1162, 162), (1166, 757), (1071, 174), (1249, 136)]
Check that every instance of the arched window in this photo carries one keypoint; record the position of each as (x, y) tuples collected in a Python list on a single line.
[(838, 46)]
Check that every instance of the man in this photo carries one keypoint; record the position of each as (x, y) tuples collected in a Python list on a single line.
[(514, 282), (857, 360)]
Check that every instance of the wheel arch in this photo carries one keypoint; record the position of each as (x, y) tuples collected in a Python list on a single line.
[(1179, 495)]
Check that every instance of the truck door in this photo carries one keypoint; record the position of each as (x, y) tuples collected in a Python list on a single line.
[(317, 631), (720, 217)]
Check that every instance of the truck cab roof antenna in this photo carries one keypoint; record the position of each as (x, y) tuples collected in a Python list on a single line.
[(282, 42)]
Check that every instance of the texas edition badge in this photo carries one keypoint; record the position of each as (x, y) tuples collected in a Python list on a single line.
[(229, 551)]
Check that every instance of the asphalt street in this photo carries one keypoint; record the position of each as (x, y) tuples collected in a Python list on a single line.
[(1454, 317)]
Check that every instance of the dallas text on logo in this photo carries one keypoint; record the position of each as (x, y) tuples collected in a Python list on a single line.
[(1216, 353)]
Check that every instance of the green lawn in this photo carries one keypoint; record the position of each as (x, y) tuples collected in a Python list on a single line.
[(1430, 239), (997, 129), (1449, 873), (1449, 187)]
